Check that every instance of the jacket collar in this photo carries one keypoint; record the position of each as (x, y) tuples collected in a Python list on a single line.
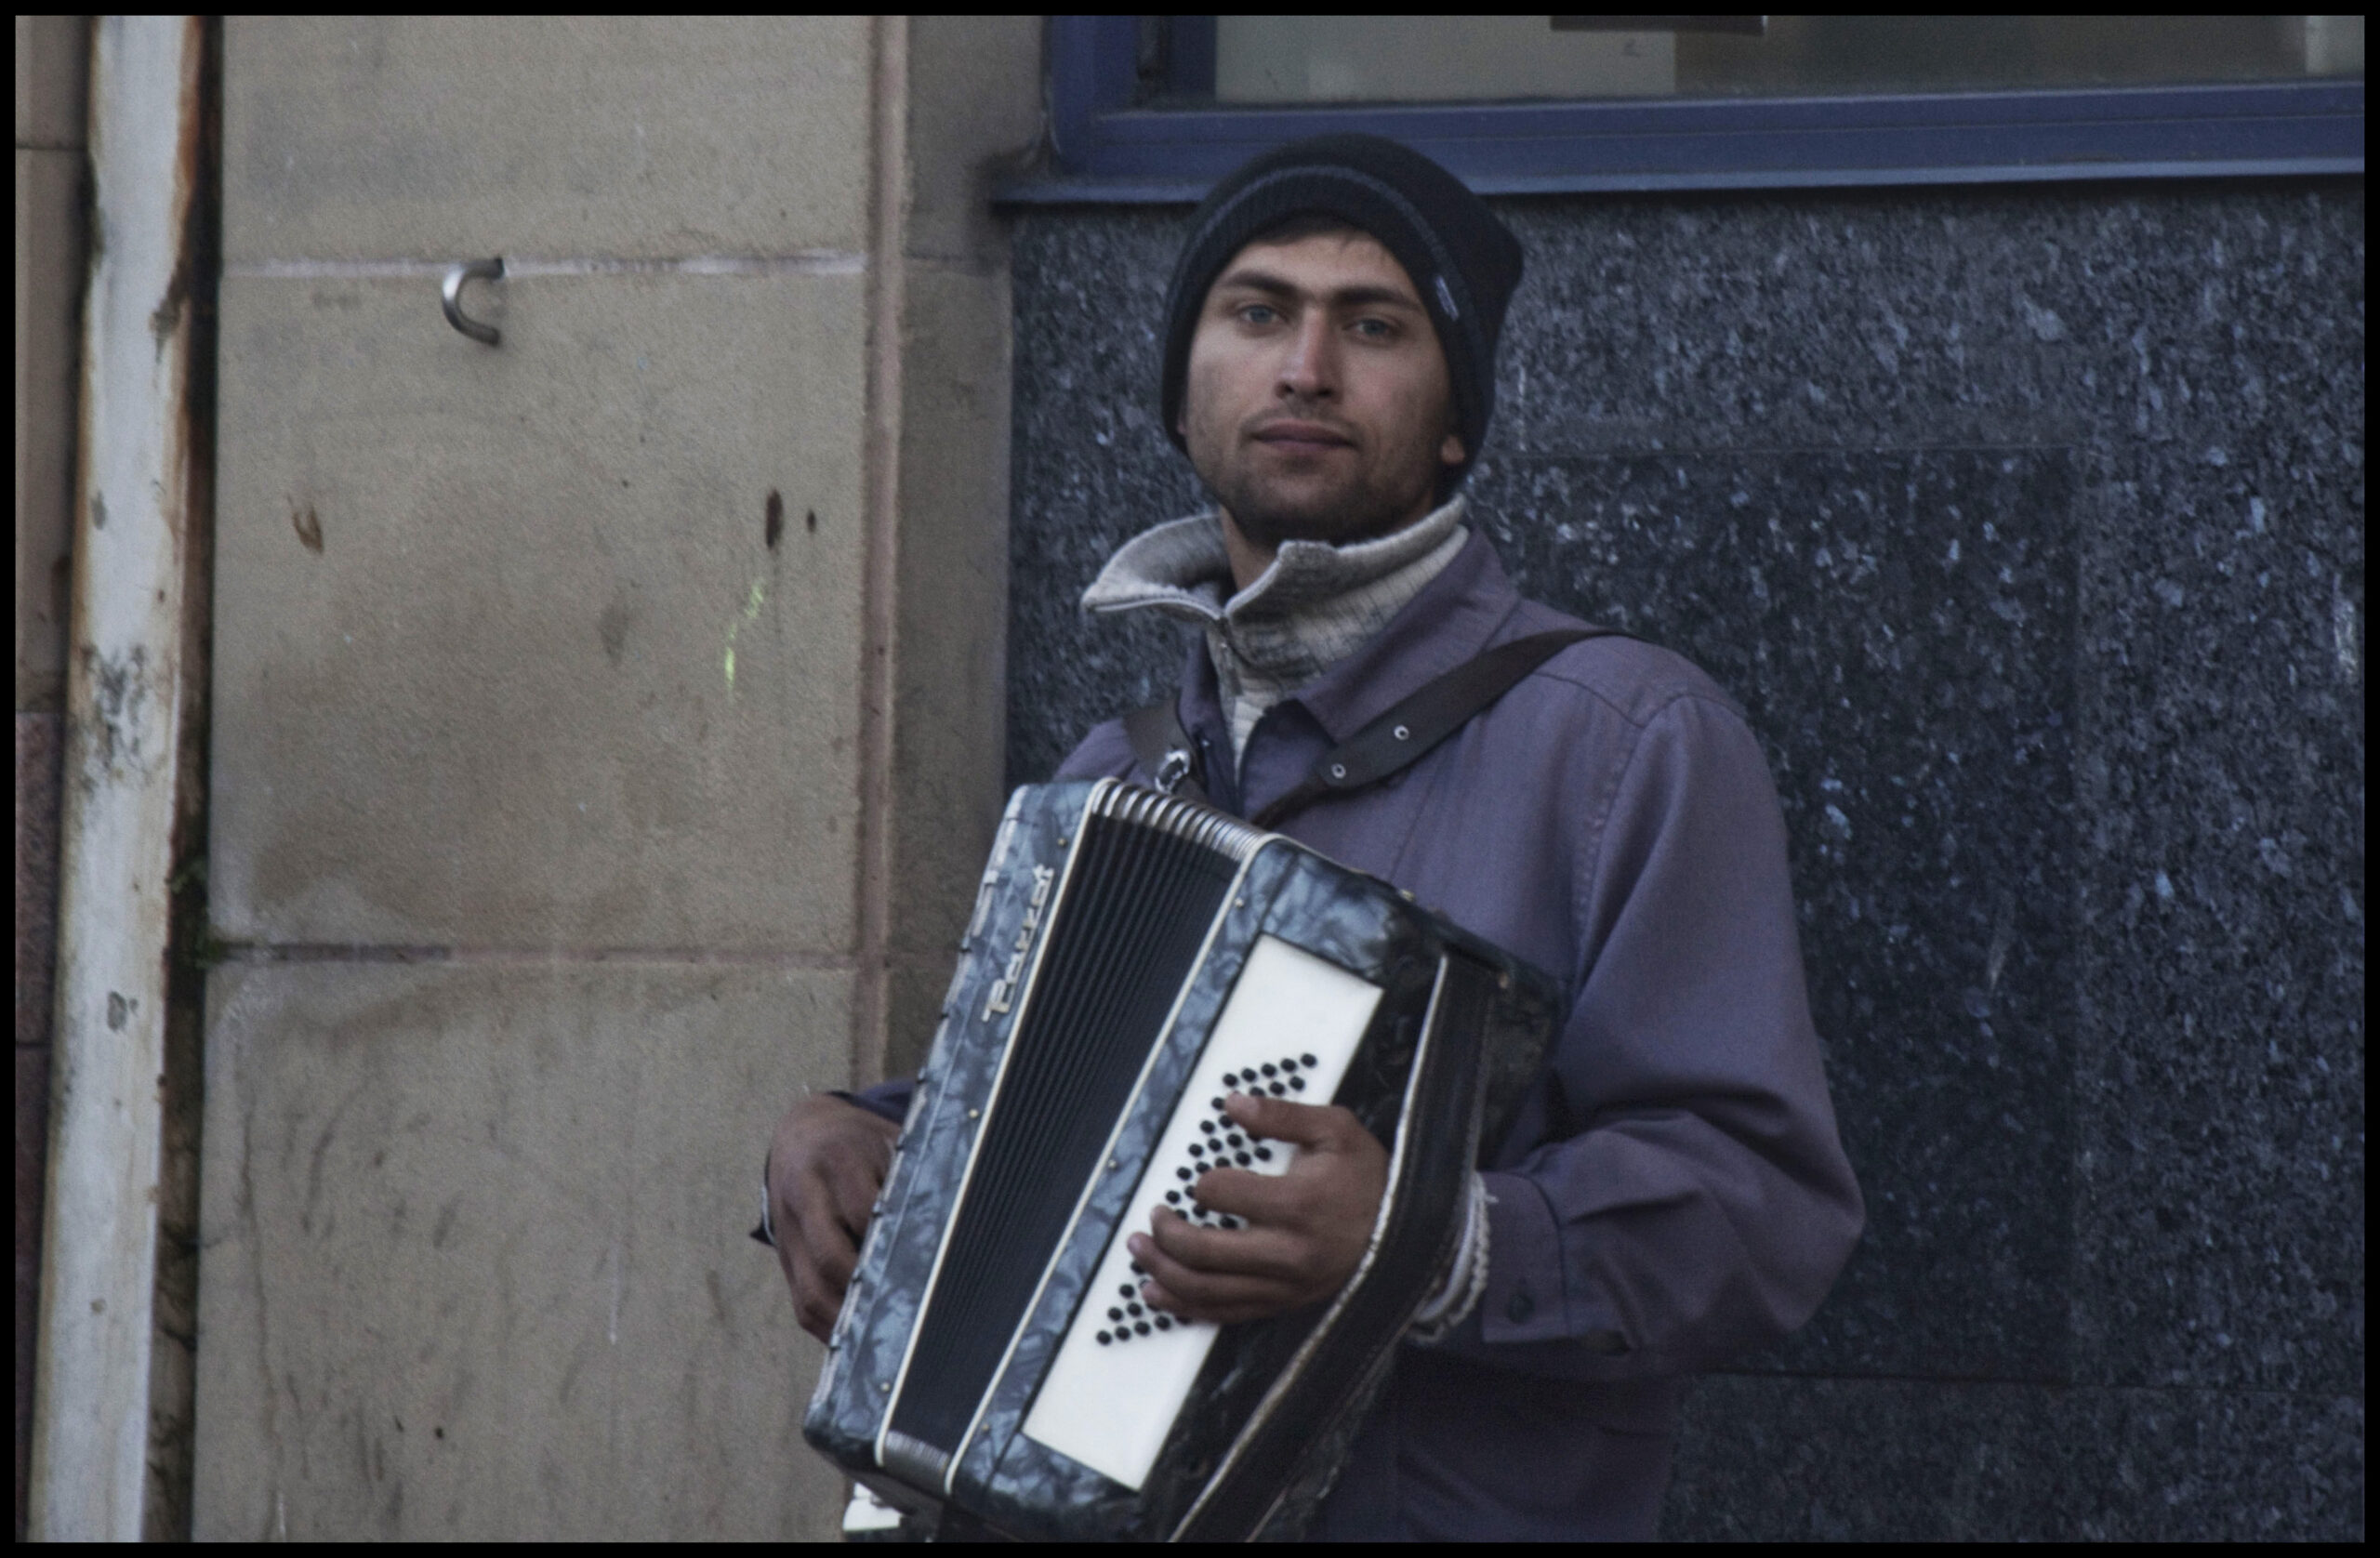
[(1456, 616)]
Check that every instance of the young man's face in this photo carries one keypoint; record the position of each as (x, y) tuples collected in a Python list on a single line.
[(1316, 405)]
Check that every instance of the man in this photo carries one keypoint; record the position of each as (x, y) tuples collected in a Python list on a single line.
[(1673, 1190)]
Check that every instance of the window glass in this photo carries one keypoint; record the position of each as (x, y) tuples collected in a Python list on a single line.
[(1299, 60)]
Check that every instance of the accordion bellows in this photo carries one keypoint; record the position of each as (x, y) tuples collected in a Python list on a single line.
[(1132, 959)]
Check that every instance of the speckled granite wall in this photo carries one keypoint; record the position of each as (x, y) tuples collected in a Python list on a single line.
[(2028, 527)]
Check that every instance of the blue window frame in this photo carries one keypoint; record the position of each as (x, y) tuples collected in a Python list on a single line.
[(1106, 148)]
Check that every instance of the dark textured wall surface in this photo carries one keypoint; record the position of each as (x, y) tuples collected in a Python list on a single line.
[(2029, 527)]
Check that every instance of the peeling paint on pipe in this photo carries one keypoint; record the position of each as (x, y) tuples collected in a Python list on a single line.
[(126, 692)]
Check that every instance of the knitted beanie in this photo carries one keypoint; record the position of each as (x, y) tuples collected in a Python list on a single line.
[(1464, 262)]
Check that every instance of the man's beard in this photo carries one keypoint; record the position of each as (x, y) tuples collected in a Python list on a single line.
[(1362, 511)]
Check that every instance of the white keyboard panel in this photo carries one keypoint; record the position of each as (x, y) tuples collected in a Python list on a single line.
[(1288, 1029)]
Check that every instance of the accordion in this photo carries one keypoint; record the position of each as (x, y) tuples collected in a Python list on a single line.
[(1133, 959)]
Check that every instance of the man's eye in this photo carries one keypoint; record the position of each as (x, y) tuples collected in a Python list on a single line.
[(1257, 314), (1375, 329)]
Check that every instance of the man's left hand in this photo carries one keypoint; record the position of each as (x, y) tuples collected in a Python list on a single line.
[(1306, 1232)]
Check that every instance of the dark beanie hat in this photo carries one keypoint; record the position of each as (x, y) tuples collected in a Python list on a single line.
[(1464, 262)]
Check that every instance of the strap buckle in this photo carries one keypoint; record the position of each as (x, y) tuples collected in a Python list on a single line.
[(1172, 770)]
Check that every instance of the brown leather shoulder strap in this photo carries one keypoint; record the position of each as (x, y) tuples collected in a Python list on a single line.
[(1400, 736)]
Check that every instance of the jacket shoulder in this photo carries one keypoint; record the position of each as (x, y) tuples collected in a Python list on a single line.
[(1634, 679), (1105, 753)]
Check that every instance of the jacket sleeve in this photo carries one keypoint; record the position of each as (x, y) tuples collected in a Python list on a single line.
[(887, 1099), (1688, 1196)]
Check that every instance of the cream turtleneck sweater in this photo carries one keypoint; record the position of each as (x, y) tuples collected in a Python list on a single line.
[(1312, 608)]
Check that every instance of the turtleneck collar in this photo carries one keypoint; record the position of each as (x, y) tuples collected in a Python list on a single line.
[(1316, 605)]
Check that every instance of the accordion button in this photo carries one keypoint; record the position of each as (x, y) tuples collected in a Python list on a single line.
[(1277, 1090), (1173, 1197), (1135, 1311), (1271, 1070), (1125, 1288), (1298, 1082), (1309, 1059), (1196, 1150), (1114, 1314), (1219, 1104), (1288, 1062), (1140, 1327), (1240, 1158), (1264, 1154), (1104, 1338), (1182, 1173), (1207, 1126)]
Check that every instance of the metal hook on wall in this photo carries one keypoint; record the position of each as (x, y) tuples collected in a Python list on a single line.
[(451, 296)]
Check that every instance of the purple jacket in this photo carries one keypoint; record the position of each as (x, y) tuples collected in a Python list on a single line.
[(1673, 1190)]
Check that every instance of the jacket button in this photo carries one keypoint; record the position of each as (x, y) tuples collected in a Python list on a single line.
[(1520, 1308)]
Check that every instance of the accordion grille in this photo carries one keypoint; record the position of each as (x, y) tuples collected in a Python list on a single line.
[(1122, 940)]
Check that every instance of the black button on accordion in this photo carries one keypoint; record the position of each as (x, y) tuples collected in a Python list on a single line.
[(1132, 959)]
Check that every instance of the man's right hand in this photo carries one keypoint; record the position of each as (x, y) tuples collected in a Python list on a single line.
[(827, 1163)]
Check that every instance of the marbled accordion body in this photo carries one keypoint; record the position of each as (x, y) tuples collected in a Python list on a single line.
[(1133, 960)]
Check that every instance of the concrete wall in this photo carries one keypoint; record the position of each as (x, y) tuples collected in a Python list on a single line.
[(53, 73), (606, 734), (2028, 525)]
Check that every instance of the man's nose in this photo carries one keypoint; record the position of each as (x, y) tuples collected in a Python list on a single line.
[(1311, 368)]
